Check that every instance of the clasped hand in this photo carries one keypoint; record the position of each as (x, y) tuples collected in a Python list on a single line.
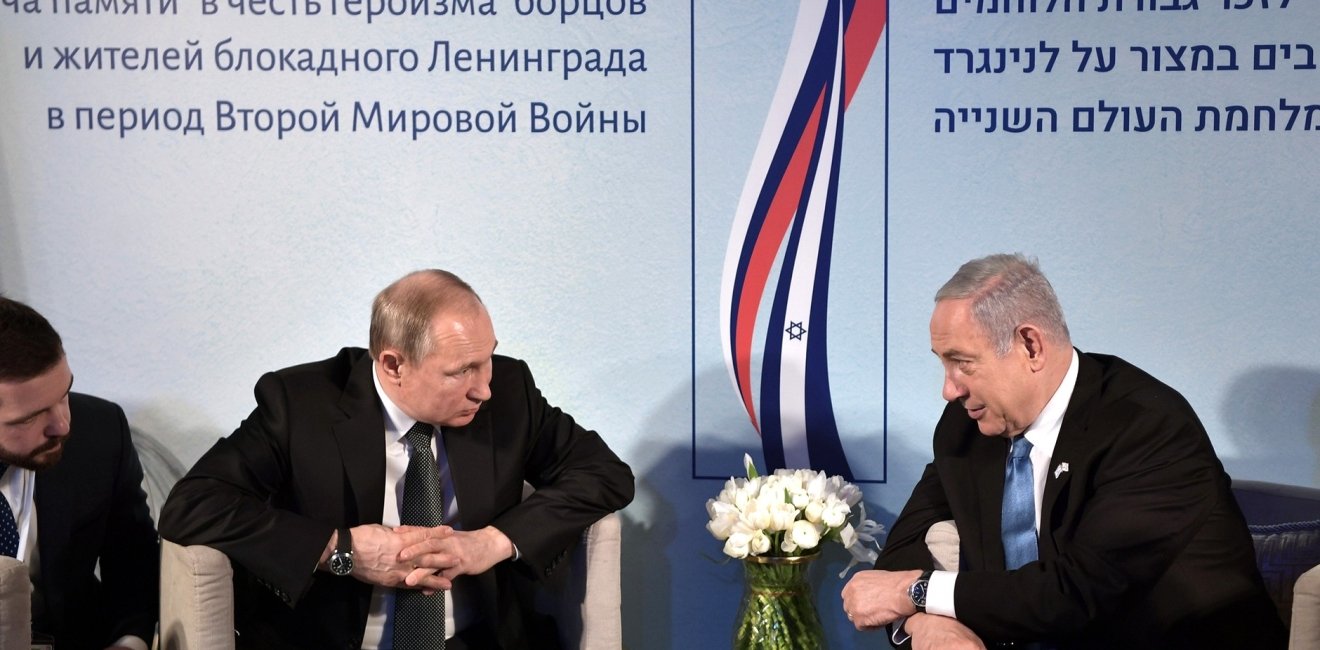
[(873, 599), (428, 559)]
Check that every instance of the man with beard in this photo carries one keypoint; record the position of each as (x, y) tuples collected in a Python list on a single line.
[(72, 495)]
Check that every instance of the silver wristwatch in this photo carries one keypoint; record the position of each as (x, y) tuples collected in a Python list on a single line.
[(341, 561)]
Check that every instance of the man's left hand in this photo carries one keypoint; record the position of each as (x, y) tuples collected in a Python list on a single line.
[(874, 598), (462, 553), (931, 632)]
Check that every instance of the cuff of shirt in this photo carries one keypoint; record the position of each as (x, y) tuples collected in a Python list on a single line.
[(939, 593)]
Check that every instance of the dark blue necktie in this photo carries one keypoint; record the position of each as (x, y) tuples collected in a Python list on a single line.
[(1018, 521), (8, 527), (419, 620)]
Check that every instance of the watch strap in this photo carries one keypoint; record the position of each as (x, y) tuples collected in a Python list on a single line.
[(919, 591)]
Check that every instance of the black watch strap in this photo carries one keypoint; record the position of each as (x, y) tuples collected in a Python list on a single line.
[(918, 591), (344, 543)]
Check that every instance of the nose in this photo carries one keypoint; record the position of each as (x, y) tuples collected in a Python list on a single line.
[(480, 389), (58, 427), (952, 389)]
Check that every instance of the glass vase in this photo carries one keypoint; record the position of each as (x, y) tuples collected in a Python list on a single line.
[(778, 612)]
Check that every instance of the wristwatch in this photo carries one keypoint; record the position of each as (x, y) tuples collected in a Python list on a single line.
[(341, 561), (917, 592)]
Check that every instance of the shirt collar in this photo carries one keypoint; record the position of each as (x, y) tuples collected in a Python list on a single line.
[(1044, 432), (397, 422)]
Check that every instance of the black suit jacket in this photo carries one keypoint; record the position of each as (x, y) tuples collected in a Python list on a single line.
[(311, 458), (90, 508), (1141, 542)]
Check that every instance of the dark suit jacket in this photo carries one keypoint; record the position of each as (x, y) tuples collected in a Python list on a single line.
[(1141, 542), (311, 458), (90, 508)]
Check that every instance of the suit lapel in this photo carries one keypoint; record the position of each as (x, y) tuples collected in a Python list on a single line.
[(361, 440), (1072, 448), (472, 468), (978, 471), (990, 454)]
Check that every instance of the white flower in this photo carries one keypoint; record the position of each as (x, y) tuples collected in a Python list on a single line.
[(739, 542), (804, 534), (788, 512), (749, 468), (782, 516), (835, 512), (757, 515), (723, 516), (813, 511), (737, 545)]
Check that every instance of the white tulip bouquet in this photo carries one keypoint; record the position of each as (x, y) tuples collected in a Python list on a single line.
[(788, 513)]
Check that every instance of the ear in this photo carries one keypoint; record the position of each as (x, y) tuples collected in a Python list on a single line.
[(391, 365), (1033, 344)]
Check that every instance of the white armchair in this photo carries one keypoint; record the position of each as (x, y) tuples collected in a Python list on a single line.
[(15, 605), (197, 598)]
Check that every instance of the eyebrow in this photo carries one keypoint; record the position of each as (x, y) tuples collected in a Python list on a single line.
[(39, 411)]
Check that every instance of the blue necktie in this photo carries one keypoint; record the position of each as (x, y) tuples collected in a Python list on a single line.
[(8, 527), (1018, 521)]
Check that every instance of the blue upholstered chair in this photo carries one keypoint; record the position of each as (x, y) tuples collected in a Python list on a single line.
[(1284, 521)]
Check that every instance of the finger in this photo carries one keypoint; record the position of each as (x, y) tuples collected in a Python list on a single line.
[(432, 562), (432, 531), (410, 535), (428, 548), (427, 579)]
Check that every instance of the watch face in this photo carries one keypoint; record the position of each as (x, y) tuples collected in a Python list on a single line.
[(341, 564), (918, 593)]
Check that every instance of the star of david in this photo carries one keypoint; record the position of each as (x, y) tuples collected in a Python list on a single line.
[(795, 330)]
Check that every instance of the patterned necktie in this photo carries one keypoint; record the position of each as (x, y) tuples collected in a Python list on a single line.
[(8, 527), (419, 620), (1018, 521)]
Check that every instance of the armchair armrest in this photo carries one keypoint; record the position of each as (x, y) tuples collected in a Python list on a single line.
[(584, 598), (942, 540), (196, 598), (1305, 632), (15, 604)]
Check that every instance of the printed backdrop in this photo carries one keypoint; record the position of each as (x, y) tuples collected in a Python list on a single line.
[(711, 228)]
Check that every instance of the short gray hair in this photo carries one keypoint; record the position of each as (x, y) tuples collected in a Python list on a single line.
[(401, 314), (1007, 291)]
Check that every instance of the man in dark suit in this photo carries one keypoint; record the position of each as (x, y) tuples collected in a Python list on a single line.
[(322, 471), (72, 497), (1137, 540)]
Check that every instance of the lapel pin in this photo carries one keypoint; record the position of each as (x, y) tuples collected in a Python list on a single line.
[(1063, 467)]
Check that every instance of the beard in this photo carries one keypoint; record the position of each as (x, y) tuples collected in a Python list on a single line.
[(43, 457)]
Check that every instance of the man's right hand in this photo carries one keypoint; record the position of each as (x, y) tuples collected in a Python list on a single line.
[(376, 555), (932, 632)]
